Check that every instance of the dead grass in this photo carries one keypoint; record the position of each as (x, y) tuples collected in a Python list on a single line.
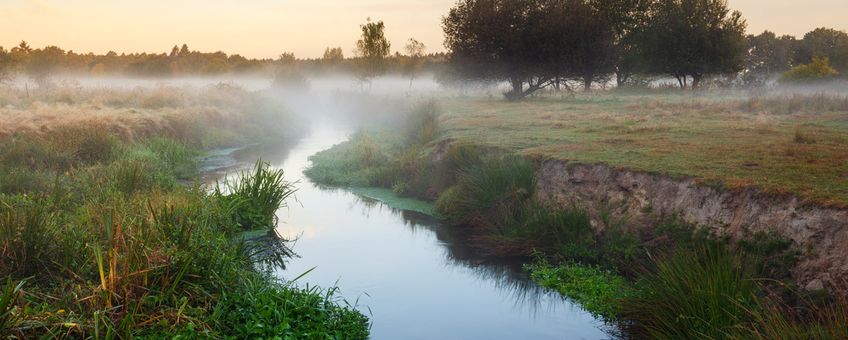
[(132, 114), (783, 144)]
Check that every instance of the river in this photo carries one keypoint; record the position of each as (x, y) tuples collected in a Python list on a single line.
[(411, 276)]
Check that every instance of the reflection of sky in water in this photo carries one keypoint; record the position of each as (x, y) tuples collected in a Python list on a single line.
[(405, 268)]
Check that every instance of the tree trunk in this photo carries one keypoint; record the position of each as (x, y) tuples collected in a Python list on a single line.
[(587, 83), (517, 91), (696, 81), (680, 81), (620, 79)]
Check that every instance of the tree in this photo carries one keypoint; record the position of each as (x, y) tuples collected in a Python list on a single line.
[(333, 56), (414, 52), (692, 38), (42, 63), (371, 49), (7, 65), (825, 43), (528, 42), (626, 18), (589, 50), (768, 55)]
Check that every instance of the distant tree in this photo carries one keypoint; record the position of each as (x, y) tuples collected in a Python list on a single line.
[(371, 49), (692, 38), (184, 51), (41, 63), (7, 65), (414, 52), (626, 18), (768, 55), (175, 51), (333, 55), (825, 43), (286, 58)]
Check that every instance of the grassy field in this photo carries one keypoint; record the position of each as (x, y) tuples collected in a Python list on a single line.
[(779, 143)]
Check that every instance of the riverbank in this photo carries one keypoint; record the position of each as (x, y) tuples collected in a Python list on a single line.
[(494, 192), (103, 219)]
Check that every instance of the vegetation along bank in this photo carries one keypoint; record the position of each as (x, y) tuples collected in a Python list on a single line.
[(106, 231), (646, 239)]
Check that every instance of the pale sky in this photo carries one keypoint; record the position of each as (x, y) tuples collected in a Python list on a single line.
[(265, 28)]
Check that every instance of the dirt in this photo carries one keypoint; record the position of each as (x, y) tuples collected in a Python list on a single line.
[(820, 233)]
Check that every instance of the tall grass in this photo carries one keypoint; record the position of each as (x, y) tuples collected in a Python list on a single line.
[(701, 294), (256, 196)]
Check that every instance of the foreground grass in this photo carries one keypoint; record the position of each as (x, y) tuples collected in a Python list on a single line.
[(794, 144), (101, 236)]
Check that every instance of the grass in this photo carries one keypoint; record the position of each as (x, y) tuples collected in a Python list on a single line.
[(106, 233), (701, 294), (733, 138), (254, 197)]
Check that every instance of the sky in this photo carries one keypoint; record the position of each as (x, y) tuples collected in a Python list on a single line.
[(266, 28)]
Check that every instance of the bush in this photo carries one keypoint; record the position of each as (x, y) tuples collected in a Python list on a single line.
[(818, 69)]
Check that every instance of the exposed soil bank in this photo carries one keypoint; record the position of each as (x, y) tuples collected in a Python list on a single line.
[(641, 198)]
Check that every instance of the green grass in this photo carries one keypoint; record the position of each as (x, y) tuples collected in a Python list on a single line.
[(107, 246), (729, 138), (254, 197), (704, 293)]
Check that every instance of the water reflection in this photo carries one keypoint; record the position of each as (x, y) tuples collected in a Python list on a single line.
[(506, 275), (419, 279)]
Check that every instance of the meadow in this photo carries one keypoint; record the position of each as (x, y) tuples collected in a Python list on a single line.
[(780, 143)]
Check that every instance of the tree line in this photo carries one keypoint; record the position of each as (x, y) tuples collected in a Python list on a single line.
[(531, 44), (39, 64), (534, 44)]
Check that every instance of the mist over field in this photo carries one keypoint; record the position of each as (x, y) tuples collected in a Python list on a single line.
[(479, 169)]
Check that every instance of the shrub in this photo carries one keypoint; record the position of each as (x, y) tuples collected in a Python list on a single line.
[(818, 69)]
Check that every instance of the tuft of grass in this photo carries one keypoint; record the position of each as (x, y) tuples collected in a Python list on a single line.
[(705, 293), (256, 196), (496, 186)]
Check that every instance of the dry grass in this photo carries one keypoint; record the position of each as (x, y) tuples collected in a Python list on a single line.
[(133, 114), (782, 144)]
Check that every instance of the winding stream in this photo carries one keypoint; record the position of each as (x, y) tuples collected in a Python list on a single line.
[(414, 278)]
